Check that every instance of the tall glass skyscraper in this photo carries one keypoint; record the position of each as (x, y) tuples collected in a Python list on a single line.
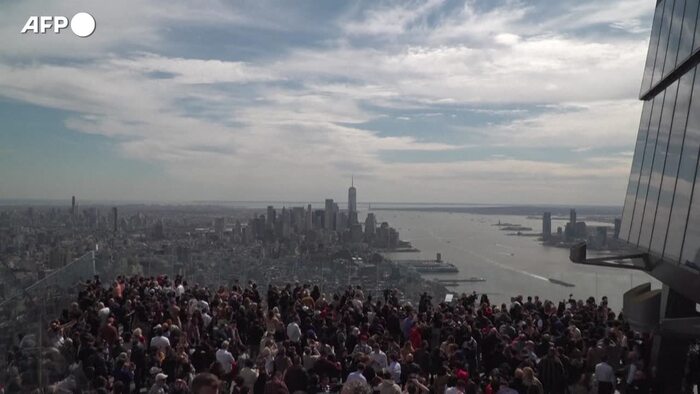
[(661, 216), (662, 206)]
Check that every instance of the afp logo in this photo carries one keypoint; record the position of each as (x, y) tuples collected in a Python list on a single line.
[(82, 24)]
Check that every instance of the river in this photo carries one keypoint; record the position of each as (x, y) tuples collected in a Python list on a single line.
[(511, 265)]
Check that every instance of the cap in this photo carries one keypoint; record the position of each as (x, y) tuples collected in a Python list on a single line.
[(161, 376)]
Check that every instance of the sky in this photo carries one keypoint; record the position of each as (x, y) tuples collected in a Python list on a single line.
[(461, 101)]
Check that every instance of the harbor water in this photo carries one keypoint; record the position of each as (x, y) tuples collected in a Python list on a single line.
[(511, 265)]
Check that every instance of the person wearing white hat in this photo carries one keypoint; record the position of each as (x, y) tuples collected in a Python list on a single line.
[(160, 386)]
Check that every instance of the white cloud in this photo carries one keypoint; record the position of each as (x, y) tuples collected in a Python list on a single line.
[(286, 120), (578, 126)]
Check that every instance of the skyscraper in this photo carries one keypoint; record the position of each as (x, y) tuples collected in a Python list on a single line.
[(570, 231), (270, 218), (328, 215), (370, 226), (219, 224), (352, 203), (572, 217), (661, 215), (72, 206), (308, 222), (546, 226)]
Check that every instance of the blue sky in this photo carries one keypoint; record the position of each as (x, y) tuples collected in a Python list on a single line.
[(440, 100)]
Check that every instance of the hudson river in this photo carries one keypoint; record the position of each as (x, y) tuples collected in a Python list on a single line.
[(511, 265)]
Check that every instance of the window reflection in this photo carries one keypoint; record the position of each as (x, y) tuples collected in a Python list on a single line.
[(636, 166), (691, 245), (685, 46), (657, 166), (686, 177), (673, 155), (645, 170), (674, 37), (653, 44), (663, 41)]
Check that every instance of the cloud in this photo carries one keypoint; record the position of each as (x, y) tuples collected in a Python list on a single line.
[(578, 126), (282, 120)]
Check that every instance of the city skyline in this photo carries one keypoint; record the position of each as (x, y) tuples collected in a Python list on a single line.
[(467, 101)]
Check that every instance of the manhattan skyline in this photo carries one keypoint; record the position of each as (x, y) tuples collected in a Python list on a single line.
[(433, 101)]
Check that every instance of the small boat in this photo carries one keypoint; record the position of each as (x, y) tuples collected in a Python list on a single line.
[(561, 282), (464, 280)]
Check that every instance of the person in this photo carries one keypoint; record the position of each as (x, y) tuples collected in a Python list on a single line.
[(356, 387), (517, 382), (605, 377), (205, 383), (378, 357), (457, 386), (293, 331), (552, 373), (296, 378), (387, 385), (362, 347), (225, 359), (160, 341), (357, 374), (160, 386), (249, 374), (395, 368), (276, 385), (531, 382)]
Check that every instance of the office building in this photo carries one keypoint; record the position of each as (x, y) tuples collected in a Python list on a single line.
[(370, 227), (308, 220), (546, 226), (328, 215), (352, 203), (661, 215), (270, 218), (219, 226), (571, 226), (341, 221)]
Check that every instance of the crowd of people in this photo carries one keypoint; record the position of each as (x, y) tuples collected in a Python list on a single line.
[(162, 335)]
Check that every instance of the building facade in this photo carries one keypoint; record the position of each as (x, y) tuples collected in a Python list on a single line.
[(662, 205), (661, 216)]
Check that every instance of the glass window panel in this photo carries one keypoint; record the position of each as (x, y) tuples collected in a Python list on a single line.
[(674, 36), (663, 42), (653, 44), (686, 177), (673, 158), (690, 15), (634, 172), (696, 40), (657, 166), (691, 245), (645, 170)]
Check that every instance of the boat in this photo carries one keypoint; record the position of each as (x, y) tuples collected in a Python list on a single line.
[(561, 282), (434, 268), (437, 266), (463, 280)]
